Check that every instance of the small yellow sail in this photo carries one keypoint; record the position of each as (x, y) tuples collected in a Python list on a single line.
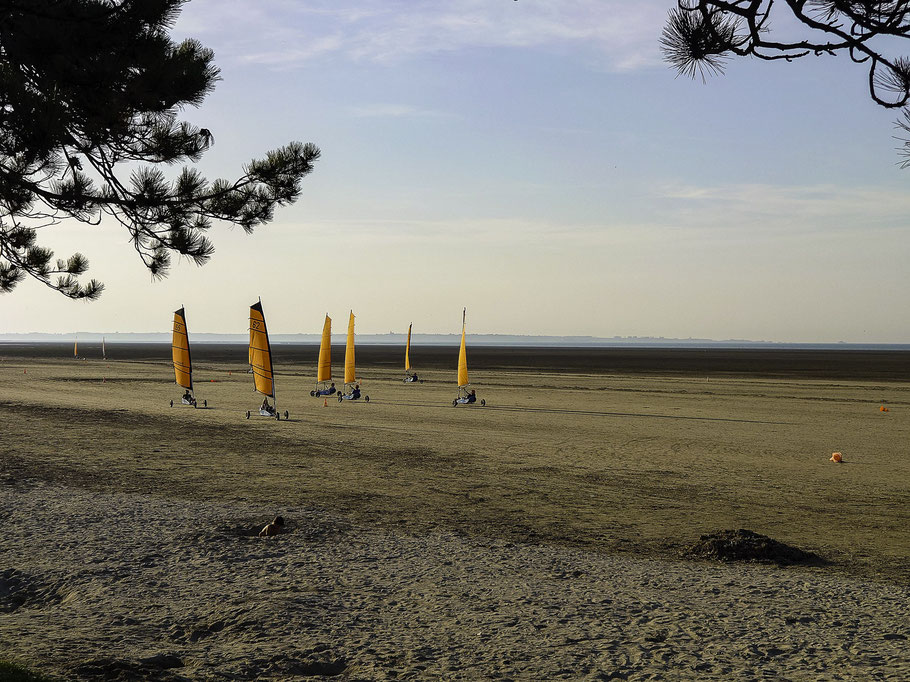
[(324, 369), (349, 353), (407, 350), (75, 349), (180, 351), (261, 352), (462, 357)]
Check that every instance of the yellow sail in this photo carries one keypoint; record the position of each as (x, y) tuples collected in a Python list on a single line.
[(462, 357), (180, 351), (349, 353), (407, 350), (261, 352), (324, 369), (75, 349)]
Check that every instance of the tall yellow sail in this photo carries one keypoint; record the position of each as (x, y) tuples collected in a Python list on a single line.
[(324, 369), (462, 356), (180, 351), (349, 353), (76, 349), (261, 352), (407, 350)]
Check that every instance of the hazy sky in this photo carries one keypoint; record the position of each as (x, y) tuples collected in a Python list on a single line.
[(534, 161)]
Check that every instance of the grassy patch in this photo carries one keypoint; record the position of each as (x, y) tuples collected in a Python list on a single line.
[(16, 672)]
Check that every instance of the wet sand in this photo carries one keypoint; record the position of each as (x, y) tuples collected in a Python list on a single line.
[(539, 537)]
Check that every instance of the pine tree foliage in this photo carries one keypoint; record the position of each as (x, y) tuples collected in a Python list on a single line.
[(90, 97), (701, 35)]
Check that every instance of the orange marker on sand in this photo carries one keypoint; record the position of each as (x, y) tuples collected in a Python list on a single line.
[(836, 457)]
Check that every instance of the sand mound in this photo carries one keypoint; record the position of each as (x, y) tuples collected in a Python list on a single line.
[(18, 589), (746, 545)]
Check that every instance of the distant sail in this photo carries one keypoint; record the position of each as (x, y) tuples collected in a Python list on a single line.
[(324, 369), (407, 350), (260, 352), (462, 356), (349, 372), (103, 352), (180, 352), (76, 349)]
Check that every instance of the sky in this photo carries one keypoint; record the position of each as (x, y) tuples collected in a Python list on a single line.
[(535, 162)]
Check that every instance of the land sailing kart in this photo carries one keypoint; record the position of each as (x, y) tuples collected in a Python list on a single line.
[(352, 392), (269, 411), (190, 401), (324, 388), (466, 397)]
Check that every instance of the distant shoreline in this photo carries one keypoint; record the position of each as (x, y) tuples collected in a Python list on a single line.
[(490, 340), (841, 362)]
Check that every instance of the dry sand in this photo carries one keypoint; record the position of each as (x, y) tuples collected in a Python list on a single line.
[(536, 538)]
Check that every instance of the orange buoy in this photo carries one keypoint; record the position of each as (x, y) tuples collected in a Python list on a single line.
[(325, 402), (837, 457), (883, 409)]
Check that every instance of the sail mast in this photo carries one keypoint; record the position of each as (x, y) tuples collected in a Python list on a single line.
[(462, 355), (349, 371), (407, 350), (261, 354), (324, 367), (180, 352)]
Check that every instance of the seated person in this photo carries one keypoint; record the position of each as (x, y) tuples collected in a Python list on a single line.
[(265, 407), (355, 394), (275, 527), (327, 391), (472, 397), (412, 377), (188, 397)]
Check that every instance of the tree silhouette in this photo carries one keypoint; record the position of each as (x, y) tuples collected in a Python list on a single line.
[(701, 35), (90, 92)]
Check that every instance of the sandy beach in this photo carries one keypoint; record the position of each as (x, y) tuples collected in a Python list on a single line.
[(543, 536)]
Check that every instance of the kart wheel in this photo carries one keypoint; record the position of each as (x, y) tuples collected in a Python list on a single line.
[(285, 415), (312, 394), (483, 402), (278, 416), (195, 406), (247, 414), (340, 399), (172, 403), (366, 399), (454, 403), (205, 403)]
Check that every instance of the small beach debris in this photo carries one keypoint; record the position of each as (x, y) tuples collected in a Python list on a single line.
[(747, 545), (836, 457), (275, 527), (883, 409)]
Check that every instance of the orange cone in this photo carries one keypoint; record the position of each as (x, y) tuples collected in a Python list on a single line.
[(836, 457), (883, 409)]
